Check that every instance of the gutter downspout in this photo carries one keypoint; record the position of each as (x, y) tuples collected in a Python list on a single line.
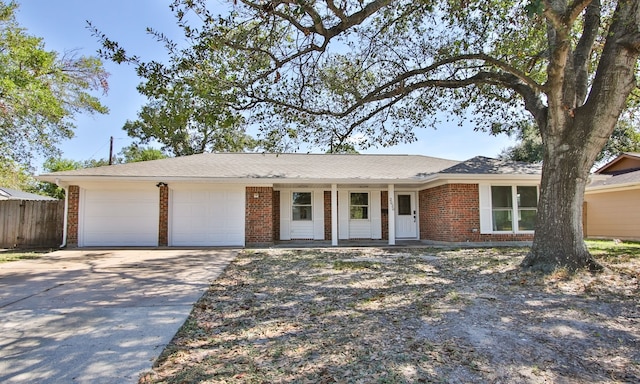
[(66, 214)]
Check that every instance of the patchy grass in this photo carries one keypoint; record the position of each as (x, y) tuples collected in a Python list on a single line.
[(614, 251), (407, 316), (21, 254)]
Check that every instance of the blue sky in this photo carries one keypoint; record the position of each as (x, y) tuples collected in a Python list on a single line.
[(62, 24)]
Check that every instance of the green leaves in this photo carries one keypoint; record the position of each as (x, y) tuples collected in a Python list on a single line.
[(192, 97), (41, 91), (534, 7)]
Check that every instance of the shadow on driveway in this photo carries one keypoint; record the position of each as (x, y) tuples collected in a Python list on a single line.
[(95, 315)]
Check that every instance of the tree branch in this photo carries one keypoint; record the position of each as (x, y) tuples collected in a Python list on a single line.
[(583, 50), (397, 82), (336, 11), (358, 17), (616, 73), (576, 9)]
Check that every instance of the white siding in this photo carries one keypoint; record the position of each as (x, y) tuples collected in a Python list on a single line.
[(318, 214), (343, 214), (375, 207), (484, 195), (359, 229), (301, 229), (285, 214)]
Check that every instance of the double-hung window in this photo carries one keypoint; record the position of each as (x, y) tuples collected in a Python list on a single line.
[(301, 206), (359, 205), (514, 208)]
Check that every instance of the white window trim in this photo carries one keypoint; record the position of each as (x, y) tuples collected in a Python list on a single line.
[(302, 205), (368, 206), (486, 208)]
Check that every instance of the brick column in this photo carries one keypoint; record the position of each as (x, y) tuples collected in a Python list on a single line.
[(384, 205), (163, 225), (276, 215), (73, 212), (327, 215), (259, 216)]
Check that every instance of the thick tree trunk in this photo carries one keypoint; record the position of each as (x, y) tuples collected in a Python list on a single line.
[(559, 240), (574, 130)]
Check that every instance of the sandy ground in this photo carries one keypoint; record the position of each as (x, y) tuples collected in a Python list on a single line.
[(408, 316)]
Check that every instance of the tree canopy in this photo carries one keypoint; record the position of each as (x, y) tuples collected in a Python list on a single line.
[(625, 138), (189, 108), (41, 91)]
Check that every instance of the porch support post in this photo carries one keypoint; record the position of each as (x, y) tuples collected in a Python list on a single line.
[(392, 214), (334, 214)]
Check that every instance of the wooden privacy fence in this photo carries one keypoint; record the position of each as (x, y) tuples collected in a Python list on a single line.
[(31, 223)]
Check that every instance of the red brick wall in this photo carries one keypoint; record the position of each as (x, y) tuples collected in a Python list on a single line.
[(451, 212), (72, 215), (259, 216), (327, 215), (163, 228), (384, 202), (276, 215)]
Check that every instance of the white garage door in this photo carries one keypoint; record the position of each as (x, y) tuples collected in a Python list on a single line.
[(123, 217), (207, 216)]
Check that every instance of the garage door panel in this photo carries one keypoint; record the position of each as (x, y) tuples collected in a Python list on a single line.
[(127, 217), (208, 217)]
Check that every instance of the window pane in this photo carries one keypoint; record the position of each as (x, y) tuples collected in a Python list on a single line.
[(501, 197), (527, 219), (359, 213), (502, 220), (360, 198), (301, 198), (404, 205), (302, 212), (527, 197)]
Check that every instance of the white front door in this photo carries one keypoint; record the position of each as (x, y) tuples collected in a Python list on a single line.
[(406, 215)]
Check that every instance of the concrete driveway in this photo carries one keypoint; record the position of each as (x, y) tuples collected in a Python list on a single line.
[(97, 316)]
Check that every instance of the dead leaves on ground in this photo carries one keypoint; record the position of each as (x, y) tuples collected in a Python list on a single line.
[(404, 316)]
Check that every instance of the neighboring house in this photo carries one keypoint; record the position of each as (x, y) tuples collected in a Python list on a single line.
[(14, 194), (248, 199), (612, 200)]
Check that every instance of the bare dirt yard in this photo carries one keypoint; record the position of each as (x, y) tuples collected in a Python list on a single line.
[(409, 316)]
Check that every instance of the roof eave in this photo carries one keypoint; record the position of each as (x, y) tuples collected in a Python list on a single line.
[(613, 187), (66, 180)]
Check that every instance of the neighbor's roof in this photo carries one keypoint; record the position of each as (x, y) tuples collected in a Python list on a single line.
[(14, 194), (291, 167), (621, 179), (618, 164)]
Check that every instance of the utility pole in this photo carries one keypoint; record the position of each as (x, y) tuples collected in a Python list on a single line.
[(111, 151)]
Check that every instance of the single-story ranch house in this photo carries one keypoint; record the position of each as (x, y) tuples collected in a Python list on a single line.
[(250, 199)]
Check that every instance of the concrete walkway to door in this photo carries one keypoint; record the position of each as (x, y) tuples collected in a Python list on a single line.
[(96, 315)]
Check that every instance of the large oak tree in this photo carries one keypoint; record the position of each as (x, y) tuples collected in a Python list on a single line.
[(369, 72)]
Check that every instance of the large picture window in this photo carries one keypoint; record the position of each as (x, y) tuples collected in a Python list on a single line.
[(301, 206), (359, 205), (514, 208)]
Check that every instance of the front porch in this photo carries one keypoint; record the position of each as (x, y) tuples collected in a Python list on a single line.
[(381, 214), (303, 244)]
